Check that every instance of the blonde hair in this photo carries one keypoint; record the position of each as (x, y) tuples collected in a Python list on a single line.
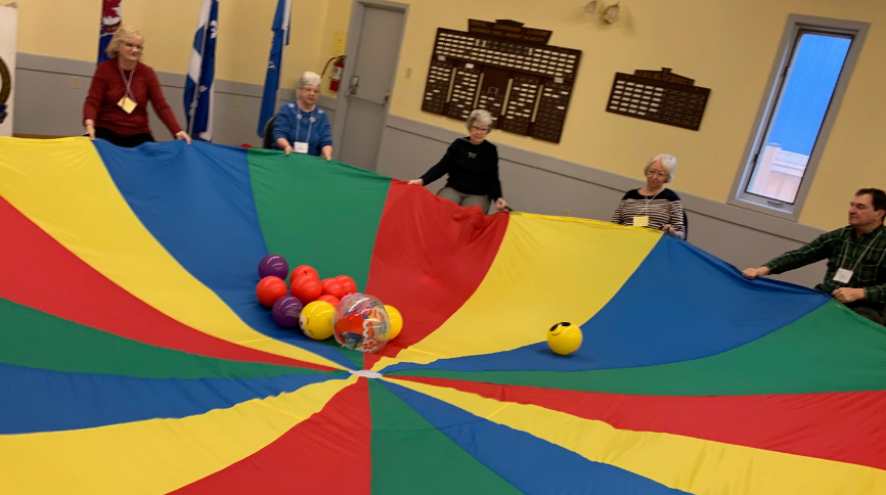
[(124, 33), (668, 162)]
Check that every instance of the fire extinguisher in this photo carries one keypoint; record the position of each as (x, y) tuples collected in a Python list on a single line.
[(337, 69)]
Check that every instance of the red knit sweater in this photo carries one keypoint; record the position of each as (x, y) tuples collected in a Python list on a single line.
[(108, 88)]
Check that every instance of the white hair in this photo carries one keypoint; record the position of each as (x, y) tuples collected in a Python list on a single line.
[(481, 117), (308, 79), (668, 162)]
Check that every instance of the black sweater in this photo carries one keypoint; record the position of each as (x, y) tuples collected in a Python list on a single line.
[(472, 169)]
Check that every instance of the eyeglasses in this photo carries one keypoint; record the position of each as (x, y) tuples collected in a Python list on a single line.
[(310, 90), (660, 175), (479, 129), (133, 45)]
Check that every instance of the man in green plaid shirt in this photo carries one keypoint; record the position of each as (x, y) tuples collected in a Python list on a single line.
[(856, 257)]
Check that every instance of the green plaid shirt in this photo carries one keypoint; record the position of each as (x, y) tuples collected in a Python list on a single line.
[(869, 274)]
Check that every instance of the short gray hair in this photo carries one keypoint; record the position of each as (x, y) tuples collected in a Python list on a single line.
[(308, 79), (668, 162), (481, 117)]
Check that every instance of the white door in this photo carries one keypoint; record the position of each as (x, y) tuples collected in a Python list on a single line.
[(369, 79)]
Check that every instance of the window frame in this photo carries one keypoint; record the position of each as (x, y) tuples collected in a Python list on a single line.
[(795, 27)]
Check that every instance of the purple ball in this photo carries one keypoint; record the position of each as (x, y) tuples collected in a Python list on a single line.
[(273, 265), (286, 311)]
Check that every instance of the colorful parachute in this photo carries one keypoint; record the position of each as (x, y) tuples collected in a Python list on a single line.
[(135, 359)]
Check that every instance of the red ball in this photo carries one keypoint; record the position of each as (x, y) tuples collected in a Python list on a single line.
[(334, 301), (306, 288), (352, 323), (269, 289), (333, 288), (347, 283), (303, 270)]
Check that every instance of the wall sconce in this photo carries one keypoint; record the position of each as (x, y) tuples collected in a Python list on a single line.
[(609, 14)]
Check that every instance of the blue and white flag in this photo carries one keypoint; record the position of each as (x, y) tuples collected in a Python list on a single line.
[(272, 80), (112, 17), (200, 85)]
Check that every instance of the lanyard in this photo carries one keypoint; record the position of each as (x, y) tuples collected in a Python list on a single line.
[(298, 125), (128, 82), (646, 207), (846, 251)]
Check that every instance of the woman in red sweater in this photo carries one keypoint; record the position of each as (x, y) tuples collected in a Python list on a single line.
[(116, 107)]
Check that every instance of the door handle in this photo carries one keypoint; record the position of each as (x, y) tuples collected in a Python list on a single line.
[(352, 88), (382, 102)]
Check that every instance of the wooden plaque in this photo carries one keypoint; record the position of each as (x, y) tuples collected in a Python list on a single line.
[(507, 69), (659, 96)]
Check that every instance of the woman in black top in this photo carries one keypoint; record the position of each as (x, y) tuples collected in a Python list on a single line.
[(472, 165), (654, 206)]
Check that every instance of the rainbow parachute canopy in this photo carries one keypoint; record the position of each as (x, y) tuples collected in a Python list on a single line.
[(135, 359)]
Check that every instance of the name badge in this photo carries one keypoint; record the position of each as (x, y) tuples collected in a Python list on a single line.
[(301, 148), (127, 104), (843, 276), (641, 221)]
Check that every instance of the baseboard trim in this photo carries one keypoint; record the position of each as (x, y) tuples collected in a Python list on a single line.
[(36, 136)]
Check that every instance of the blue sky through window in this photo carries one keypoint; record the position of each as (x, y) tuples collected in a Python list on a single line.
[(807, 94)]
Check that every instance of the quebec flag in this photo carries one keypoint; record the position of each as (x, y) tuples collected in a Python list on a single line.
[(200, 85), (272, 79)]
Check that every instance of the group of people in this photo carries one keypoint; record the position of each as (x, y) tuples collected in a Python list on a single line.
[(471, 164), (116, 110), (116, 107)]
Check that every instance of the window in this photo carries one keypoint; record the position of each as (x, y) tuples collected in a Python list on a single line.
[(808, 81)]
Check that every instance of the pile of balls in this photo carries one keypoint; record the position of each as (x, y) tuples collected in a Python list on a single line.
[(325, 308)]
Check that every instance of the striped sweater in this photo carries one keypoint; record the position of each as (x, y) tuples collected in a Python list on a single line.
[(665, 208)]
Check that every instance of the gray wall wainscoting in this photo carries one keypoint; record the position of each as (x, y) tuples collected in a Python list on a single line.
[(47, 104), (541, 184)]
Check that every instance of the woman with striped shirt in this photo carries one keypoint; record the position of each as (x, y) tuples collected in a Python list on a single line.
[(654, 206)]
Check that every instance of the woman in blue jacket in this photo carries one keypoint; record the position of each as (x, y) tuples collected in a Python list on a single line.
[(301, 126)]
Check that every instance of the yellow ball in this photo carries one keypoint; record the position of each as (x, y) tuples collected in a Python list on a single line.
[(396, 321), (316, 320), (564, 338)]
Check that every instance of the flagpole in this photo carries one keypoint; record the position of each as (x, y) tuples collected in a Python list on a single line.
[(193, 107)]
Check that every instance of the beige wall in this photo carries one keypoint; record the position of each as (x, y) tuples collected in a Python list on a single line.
[(338, 16), (725, 45), (69, 29)]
